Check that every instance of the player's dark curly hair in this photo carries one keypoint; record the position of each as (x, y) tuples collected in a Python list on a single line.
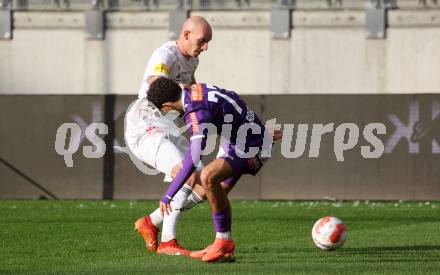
[(163, 90)]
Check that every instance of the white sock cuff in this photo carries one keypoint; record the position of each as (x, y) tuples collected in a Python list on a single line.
[(186, 189), (223, 235), (192, 200), (195, 198)]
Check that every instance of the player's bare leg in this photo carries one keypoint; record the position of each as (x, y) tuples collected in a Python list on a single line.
[(227, 186), (211, 177), (220, 171)]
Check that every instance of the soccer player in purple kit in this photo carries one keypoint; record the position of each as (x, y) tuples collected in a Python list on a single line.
[(246, 143)]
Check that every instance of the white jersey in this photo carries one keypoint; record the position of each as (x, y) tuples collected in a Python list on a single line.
[(147, 133), (167, 61)]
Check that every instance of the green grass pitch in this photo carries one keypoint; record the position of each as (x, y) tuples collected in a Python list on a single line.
[(272, 237)]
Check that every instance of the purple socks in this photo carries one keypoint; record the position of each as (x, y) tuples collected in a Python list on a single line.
[(222, 220)]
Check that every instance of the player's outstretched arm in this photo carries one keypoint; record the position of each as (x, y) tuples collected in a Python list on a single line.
[(189, 166), (193, 179)]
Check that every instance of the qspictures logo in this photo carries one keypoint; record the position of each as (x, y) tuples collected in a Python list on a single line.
[(296, 138), (346, 136)]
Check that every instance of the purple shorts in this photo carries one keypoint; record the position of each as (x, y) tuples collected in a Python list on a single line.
[(241, 165)]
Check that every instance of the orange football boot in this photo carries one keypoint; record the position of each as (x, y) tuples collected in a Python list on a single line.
[(200, 253), (221, 251), (172, 248), (148, 231)]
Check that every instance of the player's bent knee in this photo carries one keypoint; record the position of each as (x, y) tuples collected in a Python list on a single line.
[(207, 178), (227, 188), (204, 177)]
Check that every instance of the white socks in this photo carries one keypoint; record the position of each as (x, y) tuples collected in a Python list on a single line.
[(170, 220), (192, 201), (223, 235), (183, 200), (156, 217)]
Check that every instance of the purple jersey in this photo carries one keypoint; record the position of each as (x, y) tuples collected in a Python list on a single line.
[(210, 104), (231, 117)]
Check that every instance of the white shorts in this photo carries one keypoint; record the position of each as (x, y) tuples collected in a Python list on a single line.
[(147, 138), (160, 152)]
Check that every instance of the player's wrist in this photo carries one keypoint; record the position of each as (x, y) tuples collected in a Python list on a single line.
[(166, 199)]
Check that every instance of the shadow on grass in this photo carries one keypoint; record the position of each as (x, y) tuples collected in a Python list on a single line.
[(357, 250), (388, 249), (379, 254)]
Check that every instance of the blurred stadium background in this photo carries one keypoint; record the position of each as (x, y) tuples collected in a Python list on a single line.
[(303, 61)]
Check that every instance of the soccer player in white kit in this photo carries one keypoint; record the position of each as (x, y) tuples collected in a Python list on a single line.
[(147, 133)]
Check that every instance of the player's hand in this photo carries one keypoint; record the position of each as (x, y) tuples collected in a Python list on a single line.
[(165, 208), (277, 134)]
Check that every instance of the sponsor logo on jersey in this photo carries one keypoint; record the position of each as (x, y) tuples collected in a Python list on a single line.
[(194, 122), (250, 116), (196, 92), (162, 68)]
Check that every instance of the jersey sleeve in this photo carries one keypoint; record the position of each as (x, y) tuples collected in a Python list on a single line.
[(198, 139), (161, 63)]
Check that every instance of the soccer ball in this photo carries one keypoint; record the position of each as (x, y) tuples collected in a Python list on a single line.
[(329, 233)]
